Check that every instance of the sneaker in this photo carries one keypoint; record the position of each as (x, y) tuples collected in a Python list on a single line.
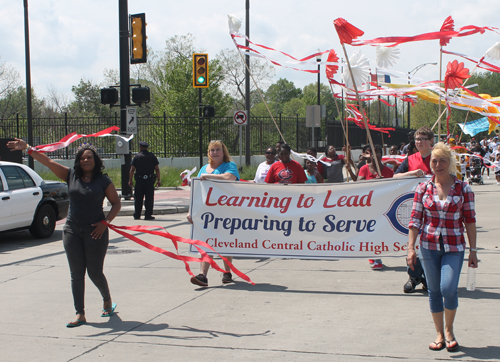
[(377, 266), (200, 280), (410, 285), (227, 278), (149, 218)]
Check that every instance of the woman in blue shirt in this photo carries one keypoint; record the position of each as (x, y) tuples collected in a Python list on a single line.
[(220, 167)]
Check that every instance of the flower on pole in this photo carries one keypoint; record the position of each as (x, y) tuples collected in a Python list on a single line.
[(455, 75), (346, 31)]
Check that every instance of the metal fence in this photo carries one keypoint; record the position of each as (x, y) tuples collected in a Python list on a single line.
[(179, 137)]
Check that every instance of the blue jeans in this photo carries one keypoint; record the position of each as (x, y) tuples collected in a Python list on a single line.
[(417, 273), (442, 271)]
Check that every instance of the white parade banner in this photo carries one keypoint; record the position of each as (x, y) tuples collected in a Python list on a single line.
[(307, 221)]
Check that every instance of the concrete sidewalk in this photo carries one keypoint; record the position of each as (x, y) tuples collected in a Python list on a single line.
[(168, 200), (299, 310)]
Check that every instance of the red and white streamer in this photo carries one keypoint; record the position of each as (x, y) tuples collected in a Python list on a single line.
[(175, 240), (72, 137)]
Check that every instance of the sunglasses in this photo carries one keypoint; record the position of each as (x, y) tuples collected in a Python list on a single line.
[(270, 153)]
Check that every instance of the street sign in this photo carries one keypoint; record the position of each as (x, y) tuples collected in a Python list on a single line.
[(131, 120), (313, 116), (240, 118)]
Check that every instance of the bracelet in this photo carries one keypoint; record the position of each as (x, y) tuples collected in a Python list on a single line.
[(472, 249)]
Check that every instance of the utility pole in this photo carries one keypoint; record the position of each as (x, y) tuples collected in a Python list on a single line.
[(247, 86), (124, 90), (31, 161)]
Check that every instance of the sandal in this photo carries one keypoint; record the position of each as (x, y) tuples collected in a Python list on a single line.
[(109, 312), (452, 348), (75, 323), (437, 346)]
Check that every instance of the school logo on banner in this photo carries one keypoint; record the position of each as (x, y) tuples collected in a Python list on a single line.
[(400, 212)]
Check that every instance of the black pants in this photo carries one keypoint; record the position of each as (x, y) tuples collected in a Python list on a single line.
[(85, 254), (144, 188)]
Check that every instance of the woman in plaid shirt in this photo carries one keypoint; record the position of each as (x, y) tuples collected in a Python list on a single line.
[(441, 208)]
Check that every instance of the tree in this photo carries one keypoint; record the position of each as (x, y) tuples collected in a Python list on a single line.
[(488, 83), (56, 103), (87, 102), (293, 107), (9, 79), (310, 98), (281, 92), (233, 72), (11, 98), (170, 76)]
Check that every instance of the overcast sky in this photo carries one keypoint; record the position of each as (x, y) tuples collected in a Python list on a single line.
[(71, 40)]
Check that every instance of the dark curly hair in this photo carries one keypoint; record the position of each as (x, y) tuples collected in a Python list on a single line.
[(98, 167)]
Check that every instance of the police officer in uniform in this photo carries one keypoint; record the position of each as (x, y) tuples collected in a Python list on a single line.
[(144, 165)]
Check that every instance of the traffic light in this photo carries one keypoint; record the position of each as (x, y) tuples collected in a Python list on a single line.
[(208, 111), (140, 95), (109, 96), (138, 50), (200, 70)]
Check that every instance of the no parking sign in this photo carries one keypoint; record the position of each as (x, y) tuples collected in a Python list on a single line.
[(240, 118)]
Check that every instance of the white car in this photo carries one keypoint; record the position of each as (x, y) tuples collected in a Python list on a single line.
[(29, 202)]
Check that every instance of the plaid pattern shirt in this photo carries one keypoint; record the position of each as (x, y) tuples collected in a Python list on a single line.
[(434, 219)]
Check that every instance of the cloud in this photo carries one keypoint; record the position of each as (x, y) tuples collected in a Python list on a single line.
[(73, 39)]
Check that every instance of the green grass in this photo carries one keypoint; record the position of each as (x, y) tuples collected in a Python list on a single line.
[(170, 176), (248, 172)]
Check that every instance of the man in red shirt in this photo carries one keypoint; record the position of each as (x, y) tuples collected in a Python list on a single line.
[(417, 165), (286, 171)]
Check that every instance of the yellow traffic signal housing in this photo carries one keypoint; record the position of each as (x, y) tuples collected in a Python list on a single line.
[(200, 70), (138, 49)]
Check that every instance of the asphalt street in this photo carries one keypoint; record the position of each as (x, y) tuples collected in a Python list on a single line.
[(299, 310)]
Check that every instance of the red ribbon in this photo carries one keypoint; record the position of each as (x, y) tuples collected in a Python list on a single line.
[(480, 63), (443, 36), (70, 138), (175, 239)]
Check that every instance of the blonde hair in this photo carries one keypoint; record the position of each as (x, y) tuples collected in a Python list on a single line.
[(442, 150), (212, 144)]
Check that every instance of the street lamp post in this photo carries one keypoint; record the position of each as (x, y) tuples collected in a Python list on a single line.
[(318, 59), (414, 71), (31, 162)]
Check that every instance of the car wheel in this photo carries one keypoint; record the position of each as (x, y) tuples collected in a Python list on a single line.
[(44, 222)]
